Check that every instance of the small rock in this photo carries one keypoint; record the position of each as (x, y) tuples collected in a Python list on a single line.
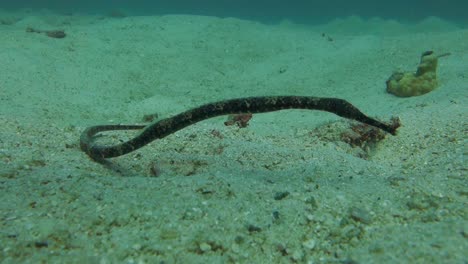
[(280, 195), (309, 244), (360, 215), (205, 247)]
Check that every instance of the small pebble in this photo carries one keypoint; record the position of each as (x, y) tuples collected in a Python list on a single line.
[(280, 195), (56, 34), (360, 215), (276, 216), (297, 255), (205, 247), (309, 244), (41, 244), (252, 228)]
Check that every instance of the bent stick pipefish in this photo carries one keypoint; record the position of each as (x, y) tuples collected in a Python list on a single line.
[(162, 128)]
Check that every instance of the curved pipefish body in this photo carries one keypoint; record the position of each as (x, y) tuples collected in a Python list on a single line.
[(165, 127)]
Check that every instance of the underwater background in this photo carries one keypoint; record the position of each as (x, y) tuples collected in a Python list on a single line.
[(300, 11), (290, 186)]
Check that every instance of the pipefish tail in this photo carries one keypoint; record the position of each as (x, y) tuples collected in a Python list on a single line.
[(162, 128)]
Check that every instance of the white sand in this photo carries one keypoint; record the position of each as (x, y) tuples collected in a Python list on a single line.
[(214, 200)]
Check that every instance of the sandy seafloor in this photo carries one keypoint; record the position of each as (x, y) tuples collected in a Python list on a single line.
[(285, 189)]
